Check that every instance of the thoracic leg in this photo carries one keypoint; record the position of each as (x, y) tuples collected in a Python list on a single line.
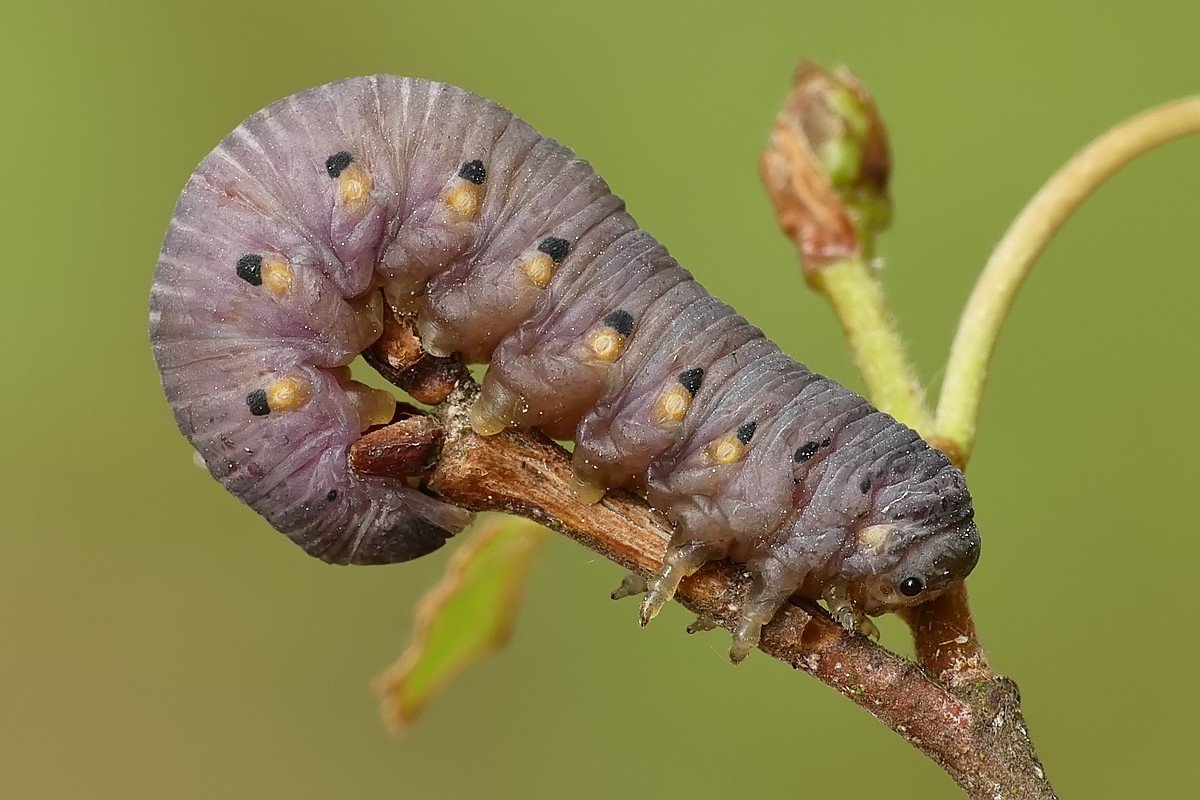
[(630, 585), (846, 614), (681, 560), (772, 586)]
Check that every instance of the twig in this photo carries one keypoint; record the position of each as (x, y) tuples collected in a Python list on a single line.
[(974, 730), (1030, 232), (874, 338)]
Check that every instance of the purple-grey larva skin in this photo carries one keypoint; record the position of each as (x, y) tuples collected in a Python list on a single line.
[(450, 203)]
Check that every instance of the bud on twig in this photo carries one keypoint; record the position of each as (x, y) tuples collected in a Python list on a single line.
[(401, 450), (827, 167)]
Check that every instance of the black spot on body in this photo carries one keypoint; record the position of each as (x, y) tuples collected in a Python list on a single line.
[(805, 452), (620, 321), (331, 496), (249, 269), (864, 485), (556, 248), (473, 171), (690, 380), (338, 162), (745, 432), (257, 401), (826, 442)]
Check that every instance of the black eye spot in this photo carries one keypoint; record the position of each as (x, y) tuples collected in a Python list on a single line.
[(257, 401), (911, 587), (555, 247), (249, 269), (329, 498), (745, 432), (805, 452), (620, 321), (690, 379), (338, 162), (473, 171)]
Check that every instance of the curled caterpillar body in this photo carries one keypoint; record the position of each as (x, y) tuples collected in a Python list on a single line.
[(294, 233)]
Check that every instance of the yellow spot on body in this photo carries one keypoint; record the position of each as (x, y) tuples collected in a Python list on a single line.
[(606, 344), (463, 199), (277, 276), (540, 269), (288, 394), (727, 450), (874, 537), (671, 406), (354, 186)]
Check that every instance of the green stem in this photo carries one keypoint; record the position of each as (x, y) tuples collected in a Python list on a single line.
[(1030, 232), (857, 299)]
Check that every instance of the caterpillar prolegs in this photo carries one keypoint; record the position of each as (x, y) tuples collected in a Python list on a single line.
[(295, 232)]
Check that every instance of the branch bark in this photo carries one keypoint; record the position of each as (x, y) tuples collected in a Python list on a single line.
[(971, 726)]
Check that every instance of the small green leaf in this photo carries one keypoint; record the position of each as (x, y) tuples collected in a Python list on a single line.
[(465, 616)]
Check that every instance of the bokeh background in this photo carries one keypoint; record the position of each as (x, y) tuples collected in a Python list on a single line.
[(157, 639)]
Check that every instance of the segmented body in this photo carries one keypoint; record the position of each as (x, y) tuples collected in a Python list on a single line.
[(296, 229)]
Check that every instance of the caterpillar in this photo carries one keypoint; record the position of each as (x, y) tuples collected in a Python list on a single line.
[(319, 211)]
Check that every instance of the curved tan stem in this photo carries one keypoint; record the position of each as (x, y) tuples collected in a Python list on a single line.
[(1030, 232)]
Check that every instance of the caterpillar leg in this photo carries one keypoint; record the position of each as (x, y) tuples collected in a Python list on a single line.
[(773, 584), (585, 492), (495, 408), (630, 585), (846, 614), (681, 560)]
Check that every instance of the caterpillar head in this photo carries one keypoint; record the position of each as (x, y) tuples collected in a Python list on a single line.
[(920, 538), (921, 566)]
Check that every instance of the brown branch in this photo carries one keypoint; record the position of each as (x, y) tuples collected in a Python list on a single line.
[(972, 730)]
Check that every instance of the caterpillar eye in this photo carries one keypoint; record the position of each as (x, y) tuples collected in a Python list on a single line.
[(911, 587)]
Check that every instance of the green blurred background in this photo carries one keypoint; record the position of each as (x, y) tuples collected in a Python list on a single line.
[(157, 639)]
